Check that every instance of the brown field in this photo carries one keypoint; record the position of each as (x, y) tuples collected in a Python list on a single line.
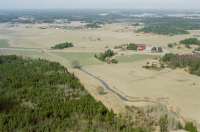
[(126, 78), (135, 81), (33, 37)]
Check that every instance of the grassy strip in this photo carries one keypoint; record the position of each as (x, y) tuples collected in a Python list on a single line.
[(83, 58), (135, 57)]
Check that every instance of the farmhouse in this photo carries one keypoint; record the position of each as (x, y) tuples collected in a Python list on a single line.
[(141, 46), (84, 27)]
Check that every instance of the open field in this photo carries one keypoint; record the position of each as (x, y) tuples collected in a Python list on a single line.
[(130, 78), (83, 58), (4, 43), (135, 81), (135, 57), (86, 39), (32, 54)]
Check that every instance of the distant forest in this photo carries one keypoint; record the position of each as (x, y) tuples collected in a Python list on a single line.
[(164, 25)]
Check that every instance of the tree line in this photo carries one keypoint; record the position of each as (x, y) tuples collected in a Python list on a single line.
[(62, 45), (163, 30), (192, 61), (190, 41)]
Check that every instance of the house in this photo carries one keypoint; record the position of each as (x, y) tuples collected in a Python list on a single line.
[(143, 46), (84, 27)]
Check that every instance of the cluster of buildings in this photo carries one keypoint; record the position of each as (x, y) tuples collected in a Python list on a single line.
[(69, 27)]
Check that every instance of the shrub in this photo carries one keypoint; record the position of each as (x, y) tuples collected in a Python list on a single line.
[(163, 123), (176, 64), (100, 90), (197, 49), (168, 56), (187, 46), (162, 65), (114, 61), (190, 127), (170, 45), (160, 49)]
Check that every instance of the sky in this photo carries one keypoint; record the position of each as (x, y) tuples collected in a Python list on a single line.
[(124, 4)]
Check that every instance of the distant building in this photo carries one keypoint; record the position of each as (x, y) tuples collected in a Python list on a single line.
[(42, 28), (84, 27), (141, 46)]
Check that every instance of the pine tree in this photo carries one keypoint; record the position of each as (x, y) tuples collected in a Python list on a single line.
[(118, 125)]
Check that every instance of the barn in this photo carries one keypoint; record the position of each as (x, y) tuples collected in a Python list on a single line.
[(141, 46)]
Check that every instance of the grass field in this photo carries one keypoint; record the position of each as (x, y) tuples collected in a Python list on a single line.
[(83, 58), (134, 57), (32, 54), (4, 43)]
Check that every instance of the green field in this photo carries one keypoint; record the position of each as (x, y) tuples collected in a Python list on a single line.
[(83, 58), (32, 55), (4, 43), (135, 57)]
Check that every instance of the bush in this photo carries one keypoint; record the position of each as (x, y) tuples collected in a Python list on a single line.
[(168, 56), (197, 49), (114, 61), (170, 45), (176, 64), (163, 123), (187, 46), (100, 90), (190, 127), (162, 65), (160, 49)]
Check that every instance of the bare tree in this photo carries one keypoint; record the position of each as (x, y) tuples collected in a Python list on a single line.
[(76, 64)]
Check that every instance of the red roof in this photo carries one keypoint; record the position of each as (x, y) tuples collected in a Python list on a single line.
[(84, 27), (141, 45)]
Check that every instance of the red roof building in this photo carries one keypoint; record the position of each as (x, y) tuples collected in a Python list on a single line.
[(84, 27), (141, 45)]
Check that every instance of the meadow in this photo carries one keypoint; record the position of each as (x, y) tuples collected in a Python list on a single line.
[(83, 58), (135, 57)]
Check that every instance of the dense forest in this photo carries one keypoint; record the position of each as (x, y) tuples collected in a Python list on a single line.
[(191, 61), (170, 25), (39, 95), (102, 56), (62, 45), (163, 30)]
